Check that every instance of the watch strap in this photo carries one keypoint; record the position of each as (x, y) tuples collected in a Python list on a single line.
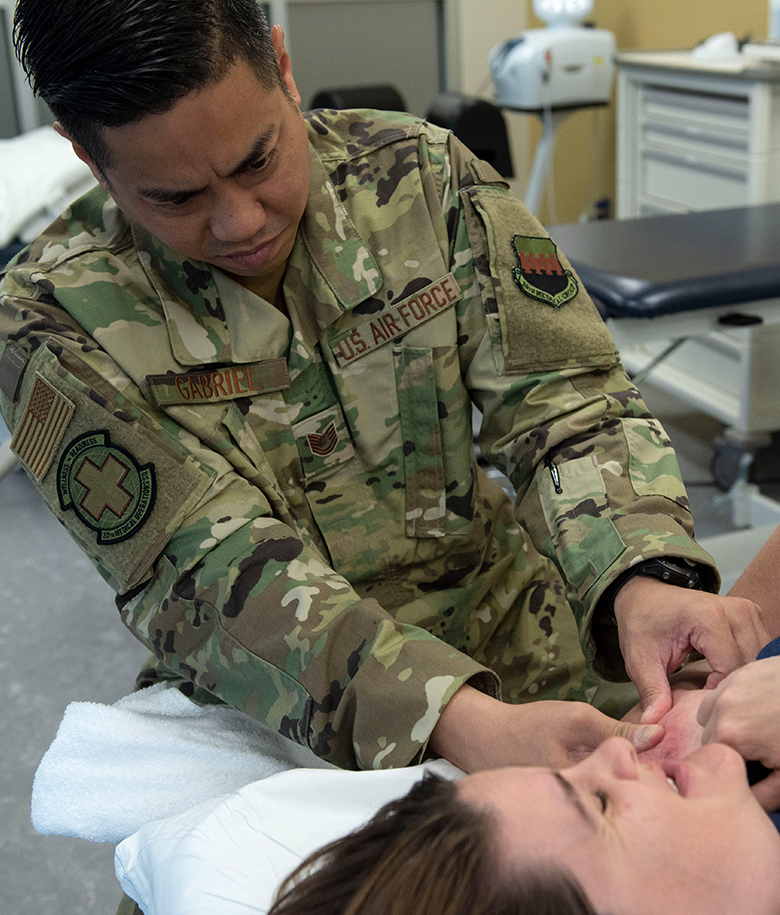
[(673, 571)]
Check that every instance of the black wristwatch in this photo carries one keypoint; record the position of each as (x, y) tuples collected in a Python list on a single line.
[(673, 571)]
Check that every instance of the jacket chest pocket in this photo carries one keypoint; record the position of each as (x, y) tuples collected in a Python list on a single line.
[(324, 444), (439, 462)]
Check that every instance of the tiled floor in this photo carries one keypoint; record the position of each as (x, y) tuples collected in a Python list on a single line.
[(61, 640)]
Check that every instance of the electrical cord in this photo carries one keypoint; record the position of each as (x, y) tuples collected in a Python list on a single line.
[(549, 188)]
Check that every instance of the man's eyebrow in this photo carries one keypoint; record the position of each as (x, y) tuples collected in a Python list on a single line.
[(258, 150), (160, 195), (573, 797)]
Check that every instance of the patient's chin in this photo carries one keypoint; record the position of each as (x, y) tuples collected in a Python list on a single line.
[(682, 734)]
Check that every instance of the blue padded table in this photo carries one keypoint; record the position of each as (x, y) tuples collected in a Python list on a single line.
[(675, 277), (660, 265), (709, 280)]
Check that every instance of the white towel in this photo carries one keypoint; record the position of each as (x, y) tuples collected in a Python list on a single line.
[(153, 754)]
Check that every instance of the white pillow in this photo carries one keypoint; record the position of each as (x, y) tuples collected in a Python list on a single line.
[(227, 856), (39, 176)]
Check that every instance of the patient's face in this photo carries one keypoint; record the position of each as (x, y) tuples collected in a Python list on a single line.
[(636, 843)]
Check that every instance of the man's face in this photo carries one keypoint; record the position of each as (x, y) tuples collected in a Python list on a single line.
[(222, 177)]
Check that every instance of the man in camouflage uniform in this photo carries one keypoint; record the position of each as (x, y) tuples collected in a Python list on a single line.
[(241, 373)]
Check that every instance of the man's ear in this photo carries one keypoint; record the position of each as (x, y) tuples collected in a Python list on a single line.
[(285, 66), (83, 155)]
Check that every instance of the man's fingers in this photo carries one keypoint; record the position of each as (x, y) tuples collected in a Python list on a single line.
[(733, 636), (656, 709), (655, 693), (642, 736), (767, 792), (706, 708), (714, 680)]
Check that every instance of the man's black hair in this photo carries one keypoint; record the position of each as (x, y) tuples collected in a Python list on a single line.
[(108, 63)]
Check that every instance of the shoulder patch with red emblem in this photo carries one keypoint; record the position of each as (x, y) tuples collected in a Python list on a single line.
[(541, 274)]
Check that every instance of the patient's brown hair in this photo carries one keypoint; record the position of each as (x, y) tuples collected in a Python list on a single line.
[(428, 853)]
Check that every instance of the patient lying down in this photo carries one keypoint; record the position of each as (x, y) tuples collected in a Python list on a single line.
[(676, 829)]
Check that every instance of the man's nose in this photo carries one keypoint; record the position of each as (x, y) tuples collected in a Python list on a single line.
[(236, 216)]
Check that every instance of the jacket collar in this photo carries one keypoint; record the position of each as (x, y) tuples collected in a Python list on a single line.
[(210, 319)]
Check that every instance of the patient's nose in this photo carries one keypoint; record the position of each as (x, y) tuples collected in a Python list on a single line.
[(615, 757)]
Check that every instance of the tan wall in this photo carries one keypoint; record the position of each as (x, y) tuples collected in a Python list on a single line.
[(638, 25), (474, 27)]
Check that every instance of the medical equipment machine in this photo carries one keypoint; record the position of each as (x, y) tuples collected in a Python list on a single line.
[(551, 72)]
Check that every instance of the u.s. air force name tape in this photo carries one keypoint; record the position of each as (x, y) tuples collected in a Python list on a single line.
[(396, 321), (225, 383)]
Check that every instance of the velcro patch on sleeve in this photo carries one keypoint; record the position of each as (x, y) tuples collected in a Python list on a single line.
[(12, 366), (116, 480), (547, 320), (106, 487)]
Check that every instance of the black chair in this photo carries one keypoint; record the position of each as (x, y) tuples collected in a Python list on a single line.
[(12, 249), (479, 124), (384, 98)]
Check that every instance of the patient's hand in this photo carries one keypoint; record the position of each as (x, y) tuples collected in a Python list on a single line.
[(744, 712)]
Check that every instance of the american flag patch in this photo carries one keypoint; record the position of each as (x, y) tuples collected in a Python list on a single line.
[(44, 423)]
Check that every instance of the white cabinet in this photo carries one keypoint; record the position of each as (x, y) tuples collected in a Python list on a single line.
[(695, 137)]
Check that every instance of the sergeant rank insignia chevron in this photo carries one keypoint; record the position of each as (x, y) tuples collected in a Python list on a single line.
[(540, 274), (324, 443)]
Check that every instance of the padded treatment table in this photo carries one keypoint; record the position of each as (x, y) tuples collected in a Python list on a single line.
[(662, 265), (693, 300)]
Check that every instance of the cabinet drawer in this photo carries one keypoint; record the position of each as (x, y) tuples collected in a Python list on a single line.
[(724, 115), (692, 139), (650, 207), (692, 181)]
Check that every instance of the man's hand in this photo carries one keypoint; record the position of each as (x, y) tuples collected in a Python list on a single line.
[(659, 625), (744, 712), (477, 732)]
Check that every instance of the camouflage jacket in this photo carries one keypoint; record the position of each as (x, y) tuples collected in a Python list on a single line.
[(291, 511)]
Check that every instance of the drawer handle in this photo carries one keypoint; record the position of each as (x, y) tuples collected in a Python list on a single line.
[(694, 132), (701, 165)]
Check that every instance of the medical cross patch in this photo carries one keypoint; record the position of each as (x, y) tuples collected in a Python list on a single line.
[(106, 487), (540, 274)]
